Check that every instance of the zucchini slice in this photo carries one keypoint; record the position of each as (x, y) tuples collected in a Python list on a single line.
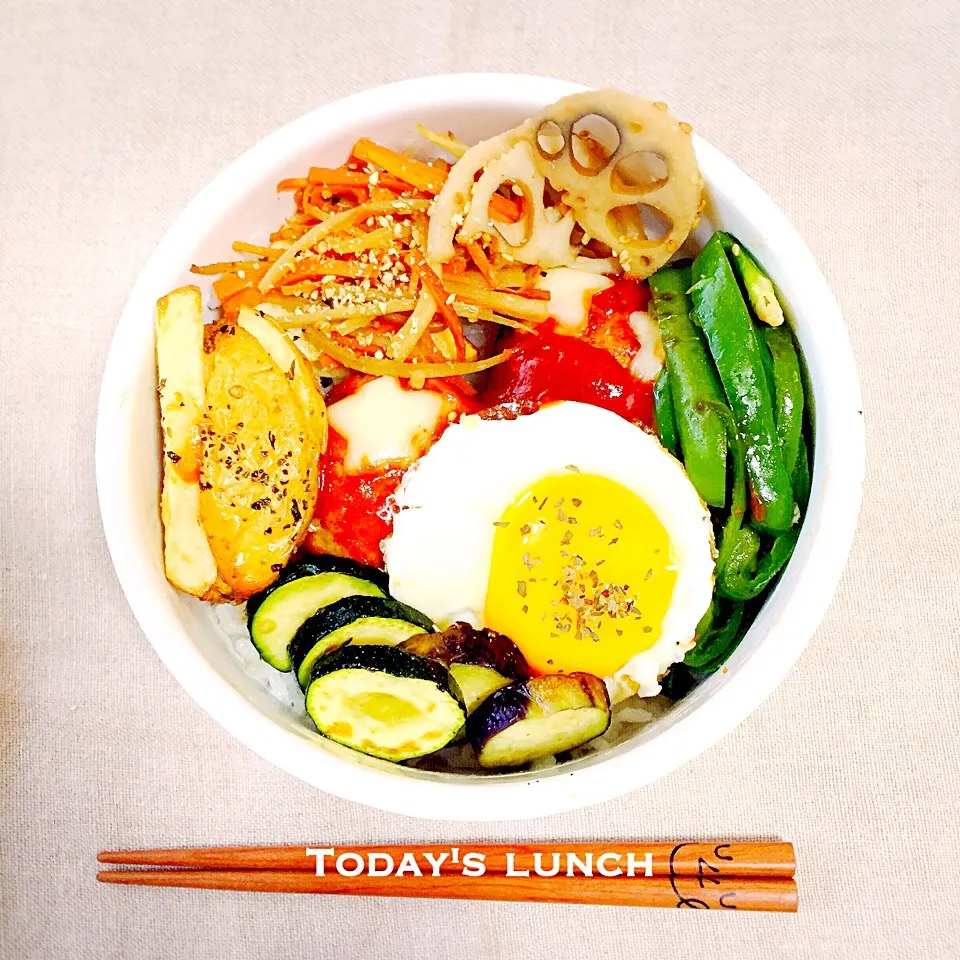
[(481, 661), (275, 615), (355, 619), (537, 718), (384, 702)]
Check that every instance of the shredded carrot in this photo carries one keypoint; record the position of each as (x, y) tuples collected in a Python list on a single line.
[(242, 298), (231, 283), (342, 177), (434, 285), (457, 265), (425, 177), (315, 202), (532, 293), (479, 257), (415, 172), (504, 209), (232, 266), (291, 183), (268, 253), (310, 267)]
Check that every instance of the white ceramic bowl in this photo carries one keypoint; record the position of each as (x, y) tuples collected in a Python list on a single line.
[(241, 202)]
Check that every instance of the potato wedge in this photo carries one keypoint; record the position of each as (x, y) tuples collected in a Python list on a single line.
[(288, 358), (188, 561), (258, 472)]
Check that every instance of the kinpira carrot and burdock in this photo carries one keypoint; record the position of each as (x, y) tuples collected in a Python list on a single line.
[(730, 403)]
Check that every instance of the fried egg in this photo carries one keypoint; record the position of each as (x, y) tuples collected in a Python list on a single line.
[(569, 530)]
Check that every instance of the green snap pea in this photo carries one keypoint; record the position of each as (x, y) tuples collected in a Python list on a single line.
[(744, 577), (738, 495), (788, 391), (664, 413), (716, 645), (766, 361), (759, 287), (694, 387), (722, 313), (801, 474), (678, 682)]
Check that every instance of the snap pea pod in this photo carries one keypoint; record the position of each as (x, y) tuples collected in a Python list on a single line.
[(738, 494), (759, 287), (722, 313), (744, 577), (801, 475), (664, 413), (766, 361), (788, 391), (694, 387), (678, 682), (717, 643)]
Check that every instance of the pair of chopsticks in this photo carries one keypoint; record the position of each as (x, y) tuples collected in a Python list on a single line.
[(699, 875)]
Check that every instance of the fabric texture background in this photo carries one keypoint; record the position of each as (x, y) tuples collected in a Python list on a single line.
[(112, 116)]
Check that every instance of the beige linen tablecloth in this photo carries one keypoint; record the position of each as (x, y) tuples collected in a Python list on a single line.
[(113, 115)]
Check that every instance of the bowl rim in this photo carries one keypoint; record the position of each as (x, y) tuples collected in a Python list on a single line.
[(839, 490)]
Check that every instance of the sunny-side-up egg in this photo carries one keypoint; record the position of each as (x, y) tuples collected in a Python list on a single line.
[(569, 530)]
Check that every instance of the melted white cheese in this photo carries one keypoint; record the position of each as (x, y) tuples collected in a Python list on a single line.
[(648, 362), (383, 423), (570, 292)]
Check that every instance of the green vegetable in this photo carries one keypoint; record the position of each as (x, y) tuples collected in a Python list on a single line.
[(664, 414), (384, 702), (723, 315), (738, 496), (354, 619), (801, 475), (694, 387), (744, 576), (678, 682), (714, 646), (759, 287), (276, 614), (766, 361), (788, 390)]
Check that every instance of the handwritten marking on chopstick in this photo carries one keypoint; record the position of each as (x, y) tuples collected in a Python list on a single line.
[(713, 876)]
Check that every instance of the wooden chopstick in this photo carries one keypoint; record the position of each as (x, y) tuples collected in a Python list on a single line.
[(744, 859), (735, 893)]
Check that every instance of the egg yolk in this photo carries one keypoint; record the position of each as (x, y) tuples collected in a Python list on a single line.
[(581, 576)]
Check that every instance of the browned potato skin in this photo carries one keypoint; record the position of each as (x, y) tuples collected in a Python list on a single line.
[(259, 464)]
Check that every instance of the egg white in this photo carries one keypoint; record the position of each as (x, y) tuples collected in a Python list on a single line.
[(439, 554)]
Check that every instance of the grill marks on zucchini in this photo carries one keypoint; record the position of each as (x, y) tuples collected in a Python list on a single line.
[(354, 619), (275, 615), (384, 702)]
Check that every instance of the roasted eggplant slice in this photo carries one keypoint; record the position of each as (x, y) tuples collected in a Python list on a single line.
[(384, 702), (275, 615), (354, 619), (537, 718), (481, 661)]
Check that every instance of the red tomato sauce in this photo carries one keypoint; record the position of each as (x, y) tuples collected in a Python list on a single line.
[(550, 366), (353, 508), (354, 512)]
